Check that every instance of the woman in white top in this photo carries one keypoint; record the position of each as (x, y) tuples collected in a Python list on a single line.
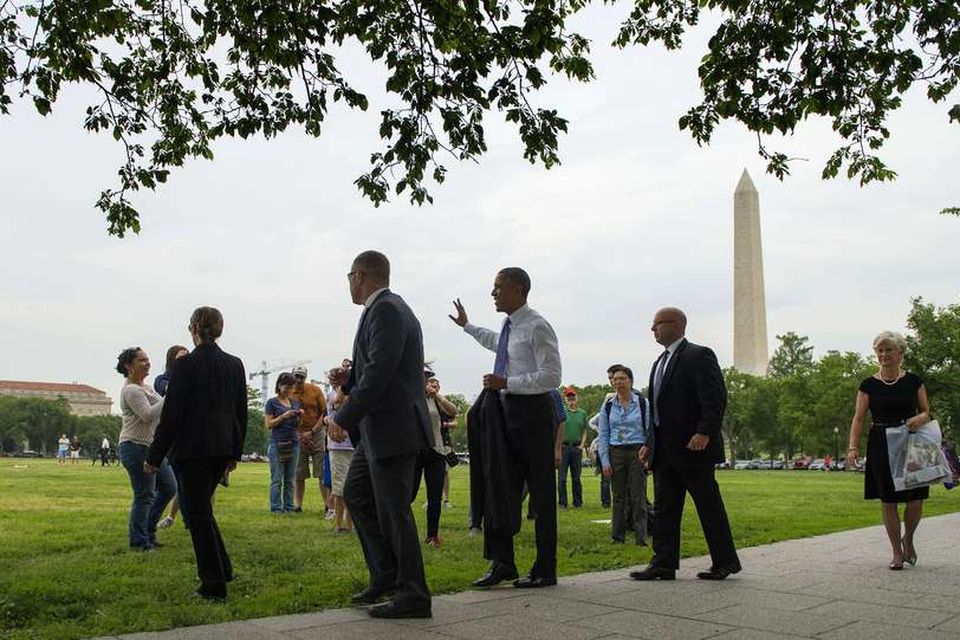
[(141, 407)]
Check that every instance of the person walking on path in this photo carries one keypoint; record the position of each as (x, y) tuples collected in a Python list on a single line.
[(386, 416), (893, 397), (202, 429), (689, 399), (526, 370)]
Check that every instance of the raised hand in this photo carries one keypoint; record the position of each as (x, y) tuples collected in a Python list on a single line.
[(461, 317)]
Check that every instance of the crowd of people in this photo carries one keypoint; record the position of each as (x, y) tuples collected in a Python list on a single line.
[(383, 428)]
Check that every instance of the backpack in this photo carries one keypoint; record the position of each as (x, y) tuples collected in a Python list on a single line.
[(608, 405)]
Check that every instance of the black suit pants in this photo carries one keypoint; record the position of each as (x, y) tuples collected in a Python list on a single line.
[(671, 484), (531, 431), (377, 493), (198, 480)]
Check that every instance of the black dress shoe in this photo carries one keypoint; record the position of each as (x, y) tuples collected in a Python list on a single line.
[(654, 573), (497, 573), (719, 573), (535, 582), (371, 594), (394, 609), (213, 594)]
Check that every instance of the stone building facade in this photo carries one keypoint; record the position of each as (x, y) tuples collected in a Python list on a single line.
[(83, 399)]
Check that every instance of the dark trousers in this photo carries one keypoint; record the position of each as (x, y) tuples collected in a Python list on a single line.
[(571, 460), (530, 433), (432, 466), (377, 493), (604, 481), (198, 480), (629, 484), (671, 486)]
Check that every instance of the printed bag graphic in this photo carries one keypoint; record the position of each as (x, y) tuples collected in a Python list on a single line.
[(916, 459)]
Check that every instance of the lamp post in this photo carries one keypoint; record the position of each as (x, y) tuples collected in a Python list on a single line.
[(836, 444)]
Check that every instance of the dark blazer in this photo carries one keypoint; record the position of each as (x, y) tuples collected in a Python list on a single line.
[(691, 400), (205, 411), (386, 406)]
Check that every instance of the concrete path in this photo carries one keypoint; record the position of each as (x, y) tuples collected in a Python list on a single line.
[(834, 587)]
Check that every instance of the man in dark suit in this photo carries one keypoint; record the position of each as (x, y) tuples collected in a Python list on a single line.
[(688, 397), (202, 428), (386, 416)]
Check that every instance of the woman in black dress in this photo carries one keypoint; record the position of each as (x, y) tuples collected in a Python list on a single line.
[(893, 397)]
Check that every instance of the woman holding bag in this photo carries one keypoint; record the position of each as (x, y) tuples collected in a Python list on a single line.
[(281, 415), (894, 397)]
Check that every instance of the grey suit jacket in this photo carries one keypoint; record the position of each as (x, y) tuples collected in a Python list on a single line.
[(387, 408)]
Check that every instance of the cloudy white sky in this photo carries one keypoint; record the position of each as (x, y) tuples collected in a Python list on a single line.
[(637, 217)]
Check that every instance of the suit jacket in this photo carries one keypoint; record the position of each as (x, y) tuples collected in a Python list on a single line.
[(205, 411), (691, 400), (386, 406), (494, 476)]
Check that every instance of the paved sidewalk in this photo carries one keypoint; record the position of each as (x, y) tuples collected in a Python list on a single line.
[(835, 587)]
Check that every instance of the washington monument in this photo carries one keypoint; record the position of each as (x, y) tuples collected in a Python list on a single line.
[(749, 304)]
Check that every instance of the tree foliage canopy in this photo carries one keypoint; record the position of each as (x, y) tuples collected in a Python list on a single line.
[(173, 77)]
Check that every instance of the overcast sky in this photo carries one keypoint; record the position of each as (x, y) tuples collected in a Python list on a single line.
[(637, 217)]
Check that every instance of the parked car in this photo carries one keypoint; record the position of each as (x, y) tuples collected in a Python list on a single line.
[(723, 465), (802, 463), (740, 465), (817, 465), (27, 454), (775, 464)]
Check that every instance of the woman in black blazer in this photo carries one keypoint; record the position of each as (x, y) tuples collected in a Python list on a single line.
[(202, 429)]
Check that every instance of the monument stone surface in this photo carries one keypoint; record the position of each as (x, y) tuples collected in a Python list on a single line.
[(749, 304)]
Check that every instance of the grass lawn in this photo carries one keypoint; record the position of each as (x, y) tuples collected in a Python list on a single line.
[(66, 572)]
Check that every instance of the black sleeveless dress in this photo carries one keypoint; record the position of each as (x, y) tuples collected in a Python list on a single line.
[(890, 406)]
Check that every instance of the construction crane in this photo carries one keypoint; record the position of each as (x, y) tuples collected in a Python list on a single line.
[(265, 372)]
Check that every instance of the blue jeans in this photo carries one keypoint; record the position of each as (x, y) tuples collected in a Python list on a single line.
[(151, 494), (282, 477), (570, 460)]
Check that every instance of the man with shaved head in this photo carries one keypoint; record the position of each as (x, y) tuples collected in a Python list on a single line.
[(688, 397)]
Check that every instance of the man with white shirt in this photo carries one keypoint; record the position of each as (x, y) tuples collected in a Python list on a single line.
[(526, 371)]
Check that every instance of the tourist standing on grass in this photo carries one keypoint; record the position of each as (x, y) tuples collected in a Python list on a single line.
[(449, 422), (312, 436), (893, 397), (432, 461), (574, 442), (624, 429), (339, 454), (74, 450), (160, 384), (63, 446), (688, 398), (202, 429), (526, 371), (386, 417), (141, 407), (281, 415)]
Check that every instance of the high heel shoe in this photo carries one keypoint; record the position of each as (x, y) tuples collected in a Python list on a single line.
[(910, 559), (895, 565)]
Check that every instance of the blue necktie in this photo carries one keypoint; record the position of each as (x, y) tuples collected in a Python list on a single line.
[(500, 364)]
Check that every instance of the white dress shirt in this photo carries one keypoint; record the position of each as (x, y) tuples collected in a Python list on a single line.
[(533, 364)]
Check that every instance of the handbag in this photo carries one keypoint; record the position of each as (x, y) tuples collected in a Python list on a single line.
[(285, 450), (917, 459), (452, 459)]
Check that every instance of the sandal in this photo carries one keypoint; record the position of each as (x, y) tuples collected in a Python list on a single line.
[(896, 565), (910, 559)]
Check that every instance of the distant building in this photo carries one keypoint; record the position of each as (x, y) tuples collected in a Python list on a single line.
[(83, 399)]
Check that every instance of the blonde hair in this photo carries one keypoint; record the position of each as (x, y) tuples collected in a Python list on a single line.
[(890, 337)]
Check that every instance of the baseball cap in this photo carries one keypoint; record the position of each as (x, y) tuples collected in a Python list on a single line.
[(569, 391), (299, 372)]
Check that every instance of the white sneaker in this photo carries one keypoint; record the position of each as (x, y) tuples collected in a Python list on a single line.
[(166, 522), (328, 515), (446, 504), (475, 531)]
